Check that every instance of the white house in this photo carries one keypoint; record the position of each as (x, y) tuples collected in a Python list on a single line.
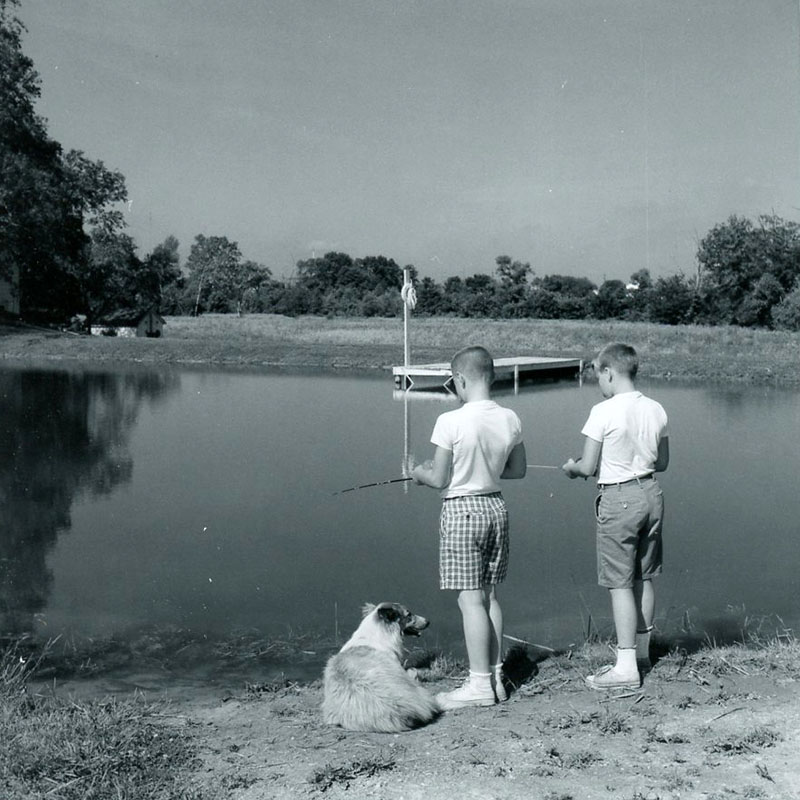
[(130, 323)]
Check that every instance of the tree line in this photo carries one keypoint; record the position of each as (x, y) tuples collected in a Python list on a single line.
[(63, 242)]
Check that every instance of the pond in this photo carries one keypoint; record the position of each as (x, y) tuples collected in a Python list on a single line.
[(203, 501)]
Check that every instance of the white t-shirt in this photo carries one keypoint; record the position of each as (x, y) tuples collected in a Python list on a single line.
[(480, 434), (629, 426)]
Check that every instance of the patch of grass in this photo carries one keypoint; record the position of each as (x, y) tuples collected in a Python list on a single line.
[(577, 760), (682, 351), (751, 742), (330, 775), (61, 748), (441, 666)]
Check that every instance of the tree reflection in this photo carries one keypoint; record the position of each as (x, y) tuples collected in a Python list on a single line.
[(62, 434)]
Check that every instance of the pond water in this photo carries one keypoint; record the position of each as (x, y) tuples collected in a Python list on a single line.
[(203, 501)]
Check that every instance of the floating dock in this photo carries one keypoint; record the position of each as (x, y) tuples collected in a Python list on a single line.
[(516, 368)]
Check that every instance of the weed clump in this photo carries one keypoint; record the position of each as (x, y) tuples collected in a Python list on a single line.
[(75, 750), (329, 776)]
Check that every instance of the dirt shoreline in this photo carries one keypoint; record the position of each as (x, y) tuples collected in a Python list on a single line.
[(720, 722)]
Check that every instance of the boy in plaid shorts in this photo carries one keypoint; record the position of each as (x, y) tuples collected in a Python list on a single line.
[(626, 443), (476, 445)]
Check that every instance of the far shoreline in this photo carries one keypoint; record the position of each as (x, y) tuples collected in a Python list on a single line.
[(728, 354)]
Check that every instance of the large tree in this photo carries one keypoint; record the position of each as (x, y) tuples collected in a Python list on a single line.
[(735, 257), (219, 279), (46, 195)]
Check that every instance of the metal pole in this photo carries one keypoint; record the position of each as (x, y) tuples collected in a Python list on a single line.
[(406, 313)]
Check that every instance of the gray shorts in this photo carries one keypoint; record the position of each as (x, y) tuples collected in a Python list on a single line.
[(629, 518), (473, 541)]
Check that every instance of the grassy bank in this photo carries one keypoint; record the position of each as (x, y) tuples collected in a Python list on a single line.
[(677, 352), (711, 721), (52, 746)]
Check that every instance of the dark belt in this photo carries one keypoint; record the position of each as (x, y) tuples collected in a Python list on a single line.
[(641, 478)]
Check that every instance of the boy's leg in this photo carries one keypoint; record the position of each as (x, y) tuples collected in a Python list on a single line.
[(496, 644), (644, 594), (626, 614), (496, 620), (477, 691), (477, 629), (623, 674)]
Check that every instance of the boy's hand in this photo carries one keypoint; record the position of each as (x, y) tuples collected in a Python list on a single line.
[(569, 468), (426, 466)]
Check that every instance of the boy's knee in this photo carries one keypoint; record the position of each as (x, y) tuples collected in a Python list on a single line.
[(470, 598)]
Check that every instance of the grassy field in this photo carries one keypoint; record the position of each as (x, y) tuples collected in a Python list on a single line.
[(674, 352)]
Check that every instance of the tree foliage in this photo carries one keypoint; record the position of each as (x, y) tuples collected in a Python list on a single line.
[(46, 195), (747, 267), (219, 279)]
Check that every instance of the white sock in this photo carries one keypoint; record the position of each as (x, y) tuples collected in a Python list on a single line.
[(643, 644), (481, 680), (626, 660), (497, 668)]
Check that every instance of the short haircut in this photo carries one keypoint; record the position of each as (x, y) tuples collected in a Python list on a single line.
[(618, 356), (475, 362)]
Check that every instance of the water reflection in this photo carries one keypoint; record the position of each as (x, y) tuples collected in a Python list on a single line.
[(62, 434)]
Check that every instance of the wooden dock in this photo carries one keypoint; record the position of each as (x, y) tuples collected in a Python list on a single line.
[(516, 368)]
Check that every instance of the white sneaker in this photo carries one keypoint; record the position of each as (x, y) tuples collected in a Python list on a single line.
[(466, 695), (500, 691), (608, 677)]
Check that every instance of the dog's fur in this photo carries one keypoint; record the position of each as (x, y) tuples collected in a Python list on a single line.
[(366, 686)]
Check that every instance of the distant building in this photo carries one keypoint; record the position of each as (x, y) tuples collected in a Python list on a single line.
[(9, 293), (130, 323)]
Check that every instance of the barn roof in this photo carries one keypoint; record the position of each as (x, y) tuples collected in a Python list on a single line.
[(126, 317)]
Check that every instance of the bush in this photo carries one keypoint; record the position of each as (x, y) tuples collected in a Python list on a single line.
[(786, 314)]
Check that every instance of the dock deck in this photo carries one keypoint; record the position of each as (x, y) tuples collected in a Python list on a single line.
[(427, 376)]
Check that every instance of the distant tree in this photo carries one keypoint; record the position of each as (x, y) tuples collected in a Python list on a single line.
[(379, 274), (162, 266), (786, 313), (567, 285), (429, 297), (479, 296), (639, 295), (218, 277), (756, 308), (513, 292), (672, 300), (454, 295), (544, 304), (611, 300)]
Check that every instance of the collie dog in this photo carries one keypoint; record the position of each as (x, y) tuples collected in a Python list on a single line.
[(366, 686)]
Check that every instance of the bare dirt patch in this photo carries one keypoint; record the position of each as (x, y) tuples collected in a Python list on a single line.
[(697, 729)]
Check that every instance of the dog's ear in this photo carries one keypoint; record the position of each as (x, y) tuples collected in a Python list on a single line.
[(367, 609), (389, 614)]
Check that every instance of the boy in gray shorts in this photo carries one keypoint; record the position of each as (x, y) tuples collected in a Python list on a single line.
[(476, 445), (626, 437)]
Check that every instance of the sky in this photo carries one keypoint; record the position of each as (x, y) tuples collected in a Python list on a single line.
[(587, 137)]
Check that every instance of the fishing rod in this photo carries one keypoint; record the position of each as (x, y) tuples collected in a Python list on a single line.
[(404, 480), (376, 483)]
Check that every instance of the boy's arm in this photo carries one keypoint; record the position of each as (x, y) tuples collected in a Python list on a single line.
[(434, 473), (662, 461), (586, 465), (516, 464)]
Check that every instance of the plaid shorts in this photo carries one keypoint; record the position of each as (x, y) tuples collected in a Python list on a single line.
[(473, 541)]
